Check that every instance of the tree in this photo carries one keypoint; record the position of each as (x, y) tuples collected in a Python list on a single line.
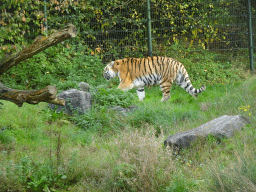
[(48, 94)]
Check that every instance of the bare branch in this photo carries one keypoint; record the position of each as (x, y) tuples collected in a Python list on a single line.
[(48, 94), (40, 44)]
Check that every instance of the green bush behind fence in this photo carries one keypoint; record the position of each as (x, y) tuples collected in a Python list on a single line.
[(115, 29)]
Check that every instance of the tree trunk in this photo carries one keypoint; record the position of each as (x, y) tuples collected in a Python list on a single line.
[(47, 94)]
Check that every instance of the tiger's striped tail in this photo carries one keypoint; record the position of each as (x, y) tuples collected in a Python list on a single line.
[(183, 81)]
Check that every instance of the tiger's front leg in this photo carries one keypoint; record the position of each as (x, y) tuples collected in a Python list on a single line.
[(141, 93)]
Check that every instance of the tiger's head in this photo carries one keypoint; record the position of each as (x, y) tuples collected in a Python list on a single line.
[(111, 70)]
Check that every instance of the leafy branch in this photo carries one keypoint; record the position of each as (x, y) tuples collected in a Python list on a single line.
[(47, 94)]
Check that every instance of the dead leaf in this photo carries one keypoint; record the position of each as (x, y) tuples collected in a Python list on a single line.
[(23, 19)]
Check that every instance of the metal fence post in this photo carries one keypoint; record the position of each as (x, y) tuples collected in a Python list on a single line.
[(250, 35), (45, 17), (149, 29)]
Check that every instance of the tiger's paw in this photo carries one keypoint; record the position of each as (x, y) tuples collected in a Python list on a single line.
[(165, 98), (124, 87)]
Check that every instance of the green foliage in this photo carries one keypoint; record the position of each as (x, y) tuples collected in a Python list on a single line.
[(99, 120), (61, 65), (115, 29), (39, 176), (238, 179), (5, 136), (239, 174), (210, 71), (113, 97), (52, 115), (46, 171), (22, 22), (125, 177), (205, 67), (100, 117), (125, 153), (180, 184), (43, 177), (159, 116), (105, 150)]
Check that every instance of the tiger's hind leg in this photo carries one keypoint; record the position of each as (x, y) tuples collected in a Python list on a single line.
[(141, 93), (165, 88)]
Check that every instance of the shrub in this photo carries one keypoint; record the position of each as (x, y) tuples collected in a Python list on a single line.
[(62, 65), (31, 174), (5, 136), (99, 120), (113, 97), (239, 172), (159, 116)]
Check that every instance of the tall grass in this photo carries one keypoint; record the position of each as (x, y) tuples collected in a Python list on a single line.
[(38, 154), (41, 150)]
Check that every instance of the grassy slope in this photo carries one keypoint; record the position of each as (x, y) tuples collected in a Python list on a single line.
[(37, 153)]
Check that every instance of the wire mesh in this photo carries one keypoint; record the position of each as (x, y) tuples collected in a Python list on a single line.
[(120, 30), (215, 25), (211, 25)]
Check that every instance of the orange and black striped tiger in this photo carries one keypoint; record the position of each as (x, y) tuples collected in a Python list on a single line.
[(140, 72)]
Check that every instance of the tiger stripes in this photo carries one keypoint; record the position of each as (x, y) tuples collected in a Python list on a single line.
[(140, 72)]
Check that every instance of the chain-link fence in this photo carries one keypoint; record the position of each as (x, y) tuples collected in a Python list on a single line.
[(120, 29)]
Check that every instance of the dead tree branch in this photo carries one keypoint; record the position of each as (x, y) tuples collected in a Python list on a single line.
[(48, 94), (37, 46)]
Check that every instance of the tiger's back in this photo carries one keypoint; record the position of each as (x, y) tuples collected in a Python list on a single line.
[(139, 72)]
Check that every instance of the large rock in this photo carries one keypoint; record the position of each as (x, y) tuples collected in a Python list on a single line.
[(76, 100), (84, 86), (224, 126), (123, 111)]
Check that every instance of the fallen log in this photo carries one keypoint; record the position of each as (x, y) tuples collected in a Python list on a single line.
[(48, 94)]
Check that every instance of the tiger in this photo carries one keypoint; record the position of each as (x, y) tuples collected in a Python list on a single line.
[(140, 72)]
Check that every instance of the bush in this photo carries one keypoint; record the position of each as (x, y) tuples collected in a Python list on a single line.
[(5, 136), (48, 174), (98, 120), (239, 172), (208, 67), (113, 97), (63, 65), (159, 117)]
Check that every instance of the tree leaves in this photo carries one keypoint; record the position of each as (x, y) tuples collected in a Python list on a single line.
[(103, 21)]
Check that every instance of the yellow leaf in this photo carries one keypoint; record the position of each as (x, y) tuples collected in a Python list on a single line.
[(23, 19), (203, 45)]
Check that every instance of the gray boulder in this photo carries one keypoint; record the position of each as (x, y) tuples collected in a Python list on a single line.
[(224, 126), (123, 111), (76, 100), (84, 86)]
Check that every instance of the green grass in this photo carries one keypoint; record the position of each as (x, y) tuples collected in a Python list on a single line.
[(117, 153), (42, 150)]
